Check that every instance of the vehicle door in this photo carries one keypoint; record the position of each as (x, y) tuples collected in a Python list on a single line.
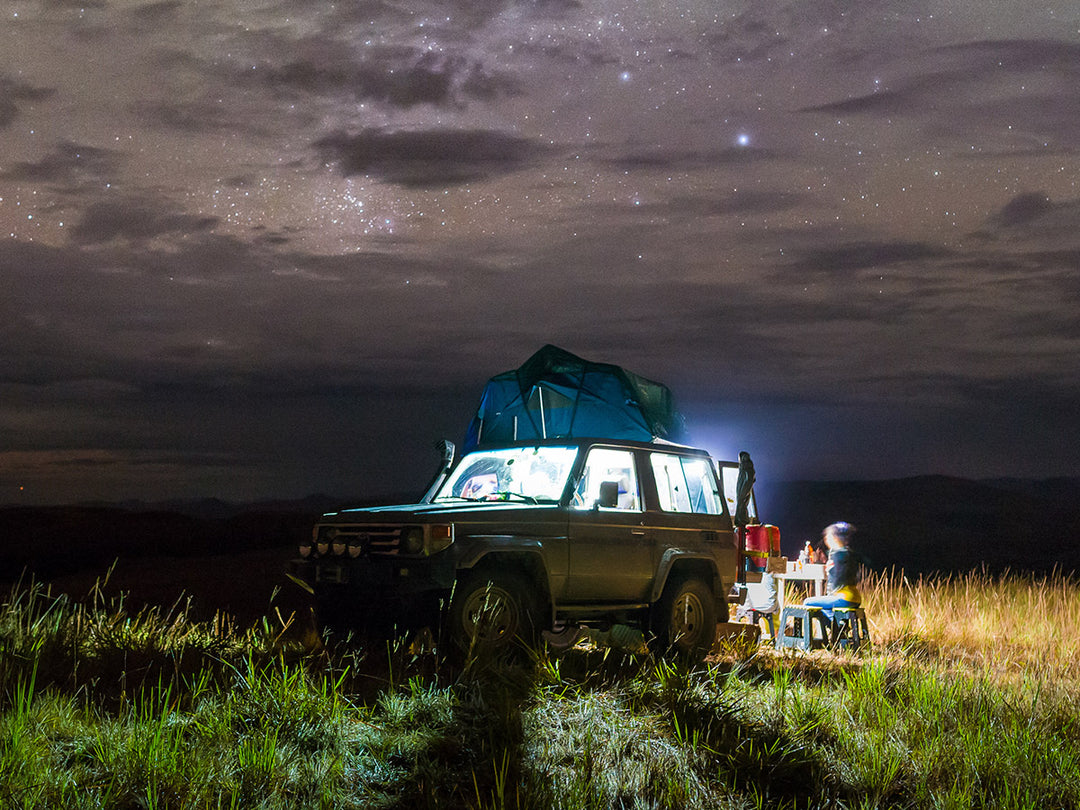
[(611, 551), (729, 479)]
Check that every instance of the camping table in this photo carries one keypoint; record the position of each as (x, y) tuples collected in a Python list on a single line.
[(810, 572)]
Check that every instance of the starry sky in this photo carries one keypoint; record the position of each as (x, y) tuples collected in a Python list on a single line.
[(266, 248)]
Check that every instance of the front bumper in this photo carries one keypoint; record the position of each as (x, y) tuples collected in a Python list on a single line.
[(373, 579)]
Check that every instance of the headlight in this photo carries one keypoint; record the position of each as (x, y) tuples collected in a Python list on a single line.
[(325, 538), (305, 548), (337, 542), (412, 540), (356, 548)]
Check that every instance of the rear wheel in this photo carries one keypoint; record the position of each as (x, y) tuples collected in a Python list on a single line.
[(490, 611), (685, 618)]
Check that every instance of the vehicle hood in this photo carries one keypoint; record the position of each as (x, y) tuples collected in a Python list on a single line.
[(435, 512)]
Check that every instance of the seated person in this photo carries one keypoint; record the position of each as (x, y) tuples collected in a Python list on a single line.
[(760, 596), (841, 570), (627, 496)]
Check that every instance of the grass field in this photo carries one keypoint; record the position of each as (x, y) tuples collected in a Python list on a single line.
[(969, 698)]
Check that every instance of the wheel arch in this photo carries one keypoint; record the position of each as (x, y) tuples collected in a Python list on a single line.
[(676, 567), (525, 563)]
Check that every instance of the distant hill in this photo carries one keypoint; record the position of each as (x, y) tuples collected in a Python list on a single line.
[(921, 525), (936, 523), (221, 556), (53, 541)]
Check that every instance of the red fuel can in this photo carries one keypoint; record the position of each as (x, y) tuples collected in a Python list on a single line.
[(762, 540)]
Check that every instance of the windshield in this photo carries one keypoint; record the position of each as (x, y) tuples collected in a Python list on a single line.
[(529, 474)]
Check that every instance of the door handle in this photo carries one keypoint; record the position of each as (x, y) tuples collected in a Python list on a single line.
[(638, 532)]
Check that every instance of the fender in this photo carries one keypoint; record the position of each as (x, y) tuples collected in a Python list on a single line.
[(480, 546), (667, 562), (515, 551)]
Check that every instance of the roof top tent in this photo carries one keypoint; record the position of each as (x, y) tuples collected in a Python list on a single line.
[(555, 394)]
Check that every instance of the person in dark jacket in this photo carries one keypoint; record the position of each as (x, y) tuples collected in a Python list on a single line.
[(841, 571)]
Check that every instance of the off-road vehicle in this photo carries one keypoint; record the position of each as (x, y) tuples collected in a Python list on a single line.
[(541, 535)]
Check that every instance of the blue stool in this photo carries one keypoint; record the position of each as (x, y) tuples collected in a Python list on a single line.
[(802, 622), (850, 629)]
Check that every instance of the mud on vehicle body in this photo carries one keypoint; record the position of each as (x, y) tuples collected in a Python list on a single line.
[(541, 535)]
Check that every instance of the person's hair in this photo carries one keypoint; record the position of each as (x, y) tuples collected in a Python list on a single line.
[(841, 530)]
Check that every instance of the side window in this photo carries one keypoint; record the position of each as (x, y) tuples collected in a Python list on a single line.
[(685, 484), (704, 497), (608, 481), (670, 483)]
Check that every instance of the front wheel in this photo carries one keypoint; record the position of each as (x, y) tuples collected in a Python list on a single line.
[(685, 618), (489, 611)]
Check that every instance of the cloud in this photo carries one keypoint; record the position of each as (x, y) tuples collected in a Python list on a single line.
[(69, 164), (1017, 56), (885, 101), (747, 38), (854, 257), (1023, 209), (428, 159), (1008, 88), (666, 159), (73, 472), (1035, 221), (95, 4), (742, 203), (158, 13), (195, 117), (12, 92), (136, 220), (400, 76), (373, 53)]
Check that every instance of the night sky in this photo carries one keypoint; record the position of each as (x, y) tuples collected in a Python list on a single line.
[(265, 249)]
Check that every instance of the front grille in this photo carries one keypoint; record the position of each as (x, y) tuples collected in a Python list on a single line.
[(381, 540)]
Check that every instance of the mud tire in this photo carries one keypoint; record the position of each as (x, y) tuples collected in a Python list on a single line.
[(492, 612), (684, 620)]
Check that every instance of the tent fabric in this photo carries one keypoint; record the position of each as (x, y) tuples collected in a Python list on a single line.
[(557, 394)]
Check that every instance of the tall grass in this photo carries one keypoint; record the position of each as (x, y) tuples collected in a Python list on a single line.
[(1016, 625), (969, 698)]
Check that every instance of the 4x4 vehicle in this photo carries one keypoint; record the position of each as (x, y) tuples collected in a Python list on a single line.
[(541, 535)]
